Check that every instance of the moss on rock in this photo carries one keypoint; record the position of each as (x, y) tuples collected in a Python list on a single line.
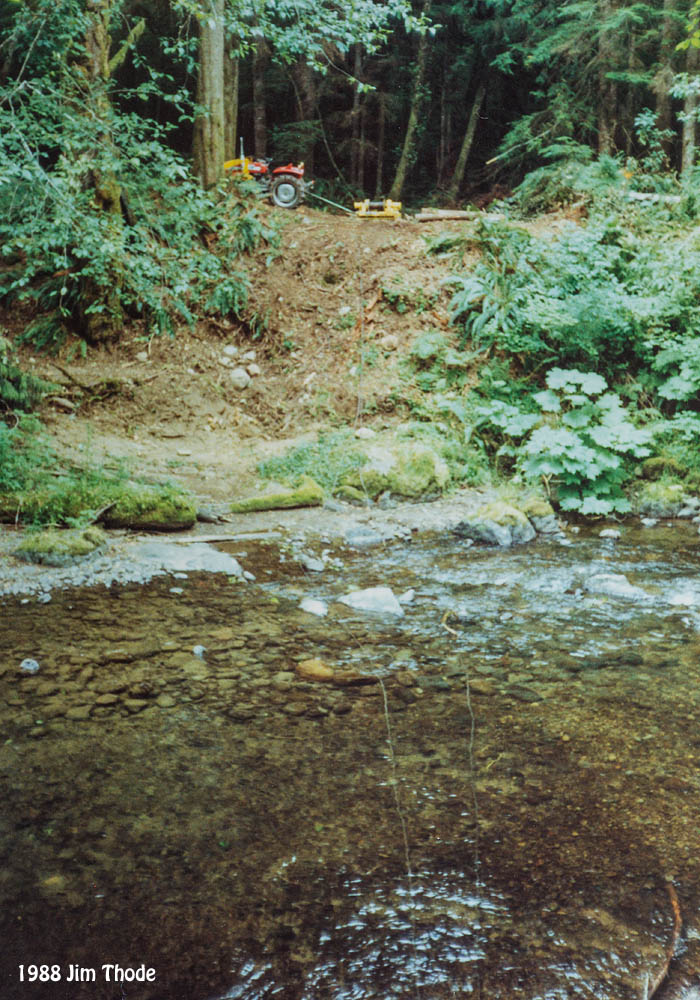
[(151, 510), (536, 507), (662, 465), (307, 494), (60, 548), (406, 469), (660, 498), (501, 513)]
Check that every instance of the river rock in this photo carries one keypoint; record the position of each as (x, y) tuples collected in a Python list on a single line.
[(314, 607), (60, 548), (660, 499), (540, 514), (380, 600), (314, 670), (312, 564), (614, 585), (497, 524), (29, 666)]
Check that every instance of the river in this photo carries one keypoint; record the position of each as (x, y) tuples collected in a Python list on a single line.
[(497, 795)]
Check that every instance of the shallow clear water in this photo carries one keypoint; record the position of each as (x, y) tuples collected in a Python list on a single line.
[(510, 813)]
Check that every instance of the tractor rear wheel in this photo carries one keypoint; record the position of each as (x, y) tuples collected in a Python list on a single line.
[(287, 191)]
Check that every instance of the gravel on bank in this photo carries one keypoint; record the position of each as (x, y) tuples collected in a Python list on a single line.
[(138, 557)]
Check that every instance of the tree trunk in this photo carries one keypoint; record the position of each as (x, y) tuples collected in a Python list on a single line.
[(381, 145), (98, 313), (690, 112), (261, 58), (208, 143), (663, 81), (408, 151), (607, 89), (467, 142), (305, 82), (231, 91), (355, 152)]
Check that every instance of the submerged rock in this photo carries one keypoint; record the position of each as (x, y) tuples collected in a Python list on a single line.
[(54, 547), (307, 494), (380, 600), (497, 524), (314, 607), (615, 585), (314, 670)]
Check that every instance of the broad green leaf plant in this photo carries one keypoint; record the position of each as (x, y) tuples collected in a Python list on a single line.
[(578, 445)]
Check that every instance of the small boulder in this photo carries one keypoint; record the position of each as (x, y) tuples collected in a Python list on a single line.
[(660, 499), (614, 585), (54, 547), (380, 600), (497, 524), (314, 670)]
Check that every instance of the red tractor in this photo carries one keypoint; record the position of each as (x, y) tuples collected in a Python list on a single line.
[(285, 186)]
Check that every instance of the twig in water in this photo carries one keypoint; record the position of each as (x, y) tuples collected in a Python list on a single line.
[(649, 991), (470, 751), (404, 831)]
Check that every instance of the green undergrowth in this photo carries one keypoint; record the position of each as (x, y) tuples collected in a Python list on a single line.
[(326, 461), (37, 489), (572, 357)]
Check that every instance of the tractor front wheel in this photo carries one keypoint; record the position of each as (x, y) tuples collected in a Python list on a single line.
[(287, 191)]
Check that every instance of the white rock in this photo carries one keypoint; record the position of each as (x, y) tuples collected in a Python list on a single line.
[(312, 564), (142, 356), (365, 433), (314, 607), (240, 379), (378, 599), (344, 310), (29, 666), (253, 370), (649, 522), (199, 651), (249, 356), (389, 342), (614, 585), (407, 596), (610, 533), (230, 350)]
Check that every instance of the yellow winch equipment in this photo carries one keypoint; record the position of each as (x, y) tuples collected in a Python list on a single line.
[(384, 209)]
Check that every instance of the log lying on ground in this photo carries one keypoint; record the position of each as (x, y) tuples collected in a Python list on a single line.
[(446, 214)]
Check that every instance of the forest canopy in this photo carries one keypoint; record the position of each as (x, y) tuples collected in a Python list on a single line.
[(116, 117)]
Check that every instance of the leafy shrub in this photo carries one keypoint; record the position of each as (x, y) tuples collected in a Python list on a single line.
[(19, 390), (604, 297), (99, 219), (578, 444)]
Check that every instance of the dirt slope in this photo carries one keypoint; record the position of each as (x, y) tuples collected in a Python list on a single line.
[(333, 312)]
